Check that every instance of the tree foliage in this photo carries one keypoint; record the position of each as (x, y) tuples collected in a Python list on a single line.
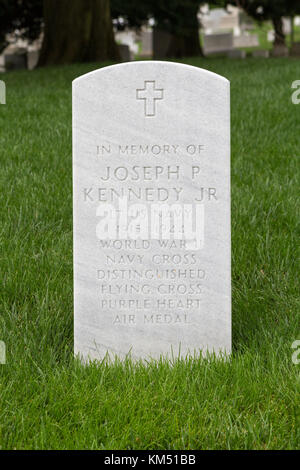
[(26, 16), (177, 17), (273, 10), (134, 13), (268, 9)]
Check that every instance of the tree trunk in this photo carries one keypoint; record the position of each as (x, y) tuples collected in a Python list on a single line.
[(185, 45), (77, 31), (279, 34), (183, 27), (292, 31)]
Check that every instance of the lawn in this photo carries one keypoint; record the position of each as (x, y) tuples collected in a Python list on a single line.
[(47, 399)]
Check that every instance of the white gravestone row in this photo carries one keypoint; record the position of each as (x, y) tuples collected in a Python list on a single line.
[(217, 43), (151, 175)]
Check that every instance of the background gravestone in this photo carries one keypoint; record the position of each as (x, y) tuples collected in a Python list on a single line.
[(151, 133), (16, 60), (261, 53), (161, 43), (280, 50), (295, 49), (236, 54), (146, 43), (33, 58), (125, 53), (246, 40), (217, 43)]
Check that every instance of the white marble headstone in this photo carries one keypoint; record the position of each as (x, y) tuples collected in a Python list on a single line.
[(151, 174)]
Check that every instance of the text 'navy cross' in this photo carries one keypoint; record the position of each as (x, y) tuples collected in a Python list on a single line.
[(150, 94)]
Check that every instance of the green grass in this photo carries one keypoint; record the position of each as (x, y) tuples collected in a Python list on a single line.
[(50, 401)]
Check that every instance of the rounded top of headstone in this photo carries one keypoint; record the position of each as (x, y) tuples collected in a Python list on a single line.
[(150, 65)]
